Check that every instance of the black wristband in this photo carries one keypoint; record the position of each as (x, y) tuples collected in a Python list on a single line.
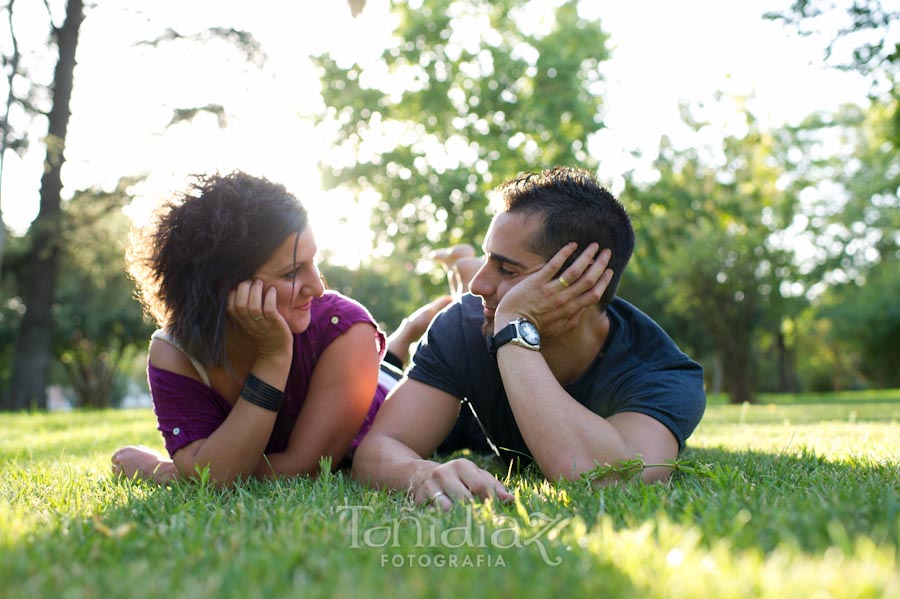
[(261, 394)]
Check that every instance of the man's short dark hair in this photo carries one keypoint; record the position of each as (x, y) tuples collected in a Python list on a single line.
[(573, 207)]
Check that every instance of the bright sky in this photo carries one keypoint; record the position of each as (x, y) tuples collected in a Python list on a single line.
[(663, 52)]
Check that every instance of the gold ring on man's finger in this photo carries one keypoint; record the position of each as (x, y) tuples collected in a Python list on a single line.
[(563, 282)]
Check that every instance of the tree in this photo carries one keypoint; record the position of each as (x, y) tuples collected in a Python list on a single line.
[(864, 29), (99, 323), (856, 218), (34, 339), (389, 294), (471, 99), (864, 37), (866, 323), (712, 231), (33, 355)]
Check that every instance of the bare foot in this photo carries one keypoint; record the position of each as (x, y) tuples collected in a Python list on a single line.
[(448, 256), (140, 461), (465, 269), (461, 265), (414, 326), (419, 320)]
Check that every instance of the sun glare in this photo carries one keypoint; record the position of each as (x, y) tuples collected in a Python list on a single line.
[(123, 129)]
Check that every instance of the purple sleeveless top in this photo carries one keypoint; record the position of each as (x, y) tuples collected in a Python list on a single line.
[(187, 410)]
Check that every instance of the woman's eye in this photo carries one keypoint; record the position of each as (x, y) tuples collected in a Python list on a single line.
[(291, 275)]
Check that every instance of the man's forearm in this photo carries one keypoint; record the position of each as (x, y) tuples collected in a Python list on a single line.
[(546, 415), (385, 462)]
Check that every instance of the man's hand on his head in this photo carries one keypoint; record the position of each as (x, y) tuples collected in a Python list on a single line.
[(555, 304)]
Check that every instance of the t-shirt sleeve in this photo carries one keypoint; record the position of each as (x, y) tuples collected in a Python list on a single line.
[(675, 397), (337, 314), (435, 363), (186, 410)]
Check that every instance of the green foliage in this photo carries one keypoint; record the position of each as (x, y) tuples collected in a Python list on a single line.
[(390, 290), (247, 46), (870, 218), (853, 212), (474, 100), (863, 27), (866, 319), (793, 498), (827, 365), (709, 247), (11, 306), (98, 323), (863, 38)]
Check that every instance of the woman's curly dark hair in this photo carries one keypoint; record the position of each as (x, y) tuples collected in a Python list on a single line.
[(200, 245)]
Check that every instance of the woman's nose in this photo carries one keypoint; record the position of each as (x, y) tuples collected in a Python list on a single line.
[(312, 285)]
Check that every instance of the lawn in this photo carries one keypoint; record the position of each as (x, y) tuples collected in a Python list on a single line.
[(794, 497)]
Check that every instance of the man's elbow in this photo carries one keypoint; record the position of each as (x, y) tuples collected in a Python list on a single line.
[(606, 472), (657, 474), (359, 470), (561, 468)]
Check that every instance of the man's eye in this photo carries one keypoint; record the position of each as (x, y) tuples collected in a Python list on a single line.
[(505, 272)]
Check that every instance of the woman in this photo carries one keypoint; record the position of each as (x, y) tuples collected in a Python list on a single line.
[(256, 369)]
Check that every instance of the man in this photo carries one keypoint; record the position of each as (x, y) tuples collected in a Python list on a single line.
[(554, 366)]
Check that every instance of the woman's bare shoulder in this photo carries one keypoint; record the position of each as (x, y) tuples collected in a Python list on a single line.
[(165, 356)]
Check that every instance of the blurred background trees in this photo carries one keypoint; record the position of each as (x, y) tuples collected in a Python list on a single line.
[(41, 325), (468, 101), (98, 326), (771, 257)]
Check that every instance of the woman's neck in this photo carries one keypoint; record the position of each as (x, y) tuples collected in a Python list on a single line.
[(241, 353)]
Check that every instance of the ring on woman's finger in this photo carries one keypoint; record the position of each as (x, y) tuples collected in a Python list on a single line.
[(438, 494), (256, 318), (562, 281)]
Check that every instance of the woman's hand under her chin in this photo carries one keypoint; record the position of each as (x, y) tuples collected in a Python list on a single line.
[(255, 311)]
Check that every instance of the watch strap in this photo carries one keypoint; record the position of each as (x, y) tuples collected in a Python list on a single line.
[(512, 333), (506, 334)]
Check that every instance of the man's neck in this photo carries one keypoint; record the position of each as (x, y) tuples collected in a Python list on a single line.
[(570, 354)]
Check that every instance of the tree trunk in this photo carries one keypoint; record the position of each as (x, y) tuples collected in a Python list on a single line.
[(34, 342), (785, 362), (737, 367), (739, 382)]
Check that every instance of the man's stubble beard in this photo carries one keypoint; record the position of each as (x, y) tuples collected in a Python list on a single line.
[(487, 327)]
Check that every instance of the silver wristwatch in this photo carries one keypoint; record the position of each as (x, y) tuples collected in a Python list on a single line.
[(519, 332)]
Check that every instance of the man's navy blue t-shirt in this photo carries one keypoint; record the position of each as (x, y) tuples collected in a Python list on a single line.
[(639, 369)]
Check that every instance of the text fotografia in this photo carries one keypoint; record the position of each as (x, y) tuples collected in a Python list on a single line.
[(505, 533), (423, 560)]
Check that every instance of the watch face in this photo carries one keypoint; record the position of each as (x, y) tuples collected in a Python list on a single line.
[(529, 333)]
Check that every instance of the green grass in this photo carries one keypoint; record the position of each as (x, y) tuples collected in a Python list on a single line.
[(796, 497)]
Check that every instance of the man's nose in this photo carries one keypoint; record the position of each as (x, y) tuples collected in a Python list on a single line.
[(481, 283)]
